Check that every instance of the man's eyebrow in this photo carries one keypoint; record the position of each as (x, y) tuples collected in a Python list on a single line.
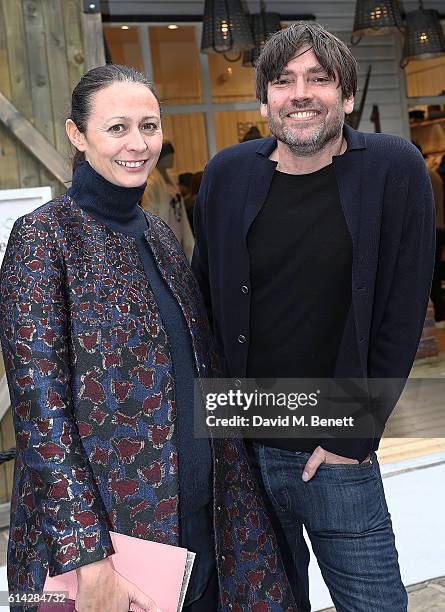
[(312, 70), (316, 70)]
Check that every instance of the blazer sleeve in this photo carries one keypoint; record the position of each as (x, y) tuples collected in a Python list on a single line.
[(200, 263), (395, 339), (35, 341), (394, 346)]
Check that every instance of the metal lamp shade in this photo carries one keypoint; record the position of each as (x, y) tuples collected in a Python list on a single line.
[(424, 38), (262, 25), (225, 27), (375, 17)]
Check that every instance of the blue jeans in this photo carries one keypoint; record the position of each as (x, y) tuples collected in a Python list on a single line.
[(344, 511)]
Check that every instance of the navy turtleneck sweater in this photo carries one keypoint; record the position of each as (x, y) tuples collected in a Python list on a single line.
[(117, 208)]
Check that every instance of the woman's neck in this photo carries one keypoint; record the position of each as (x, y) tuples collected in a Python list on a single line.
[(104, 200)]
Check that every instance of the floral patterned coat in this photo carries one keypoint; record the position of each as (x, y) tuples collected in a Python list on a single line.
[(88, 368)]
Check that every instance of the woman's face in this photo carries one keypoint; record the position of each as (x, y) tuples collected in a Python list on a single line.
[(123, 137)]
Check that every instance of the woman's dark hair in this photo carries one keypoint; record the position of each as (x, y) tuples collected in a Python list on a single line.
[(333, 55), (92, 82)]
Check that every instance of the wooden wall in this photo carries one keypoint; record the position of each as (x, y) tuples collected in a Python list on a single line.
[(41, 59)]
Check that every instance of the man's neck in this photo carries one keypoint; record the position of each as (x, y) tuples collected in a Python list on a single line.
[(290, 163)]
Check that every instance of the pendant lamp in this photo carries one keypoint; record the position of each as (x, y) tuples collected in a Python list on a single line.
[(225, 28), (262, 25), (376, 17), (424, 37)]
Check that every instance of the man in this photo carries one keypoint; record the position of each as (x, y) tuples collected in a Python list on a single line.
[(314, 253)]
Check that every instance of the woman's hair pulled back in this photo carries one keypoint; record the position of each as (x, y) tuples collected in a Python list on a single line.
[(92, 82)]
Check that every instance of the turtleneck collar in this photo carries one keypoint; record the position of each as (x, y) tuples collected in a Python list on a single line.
[(112, 204)]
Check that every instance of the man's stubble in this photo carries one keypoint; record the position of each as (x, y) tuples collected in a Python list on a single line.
[(326, 132)]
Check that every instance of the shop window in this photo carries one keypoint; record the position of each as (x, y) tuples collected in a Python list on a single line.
[(232, 126), (230, 81), (187, 134), (175, 61), (425, 77), (123, 46)]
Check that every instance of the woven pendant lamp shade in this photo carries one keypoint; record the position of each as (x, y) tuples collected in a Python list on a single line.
[(375, 17), (424, 38), (225, 28), (262, 25)]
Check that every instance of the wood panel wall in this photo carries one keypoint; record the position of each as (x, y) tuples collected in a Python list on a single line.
[(42, 57)]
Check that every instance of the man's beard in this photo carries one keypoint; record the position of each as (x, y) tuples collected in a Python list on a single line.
[(305, 146)]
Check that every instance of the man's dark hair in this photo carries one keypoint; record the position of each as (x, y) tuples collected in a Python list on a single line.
[(185, 179), (333, 55)]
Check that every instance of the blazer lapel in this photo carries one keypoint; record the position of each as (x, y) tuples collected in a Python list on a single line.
[(348, 170), (259, 182)]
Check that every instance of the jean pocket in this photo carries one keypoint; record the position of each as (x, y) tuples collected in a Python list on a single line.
[(349, 466), (275, 471)]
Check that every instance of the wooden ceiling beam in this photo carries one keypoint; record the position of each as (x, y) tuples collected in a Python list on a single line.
[(33, 141)]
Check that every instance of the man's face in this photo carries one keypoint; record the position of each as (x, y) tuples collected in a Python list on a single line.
[(305, 107)]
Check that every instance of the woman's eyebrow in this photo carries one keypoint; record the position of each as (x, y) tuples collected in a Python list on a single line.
[(129, 119)]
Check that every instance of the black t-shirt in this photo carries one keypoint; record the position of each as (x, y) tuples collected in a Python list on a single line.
[(300, 253)]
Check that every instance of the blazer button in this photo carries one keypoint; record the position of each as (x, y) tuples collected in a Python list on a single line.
[(241, 339), (245, 289)]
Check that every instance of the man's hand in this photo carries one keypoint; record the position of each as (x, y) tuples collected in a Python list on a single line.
[(320, 456)]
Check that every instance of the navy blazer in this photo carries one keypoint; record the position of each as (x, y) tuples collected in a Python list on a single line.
[(386, 196)]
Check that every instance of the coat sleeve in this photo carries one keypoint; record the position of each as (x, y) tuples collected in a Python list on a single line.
[(395, 337), (394, 345), (34, 335), (200, 264), (188, 240)]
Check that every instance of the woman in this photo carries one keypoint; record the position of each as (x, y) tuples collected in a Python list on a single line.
[(103, 333)]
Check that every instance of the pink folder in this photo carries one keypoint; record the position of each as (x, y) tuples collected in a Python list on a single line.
[(157, 569)]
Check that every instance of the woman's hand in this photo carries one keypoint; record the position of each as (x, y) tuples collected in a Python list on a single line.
[(101, 589)]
